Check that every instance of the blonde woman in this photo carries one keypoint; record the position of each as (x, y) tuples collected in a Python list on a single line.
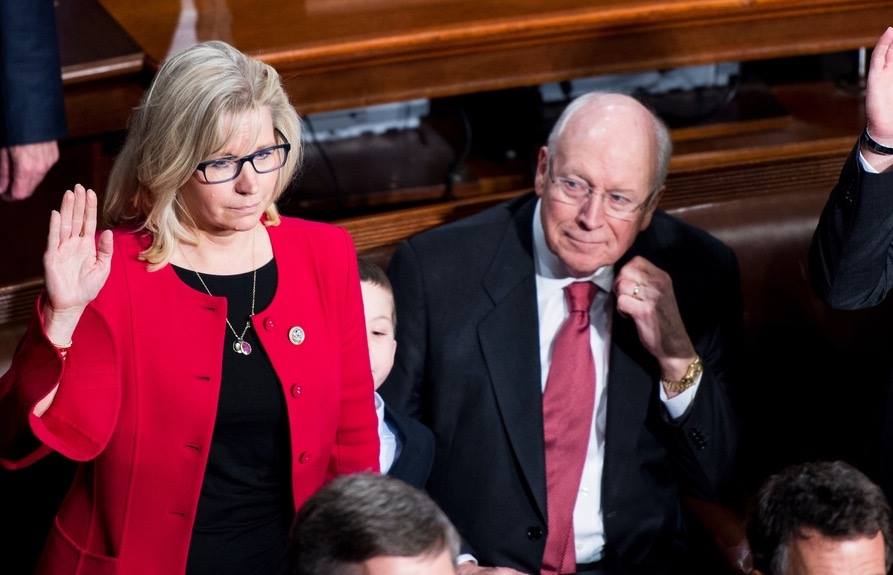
[(205, 359)]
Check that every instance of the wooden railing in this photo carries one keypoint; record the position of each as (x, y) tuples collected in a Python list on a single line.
[(344, 53), (377, 235)]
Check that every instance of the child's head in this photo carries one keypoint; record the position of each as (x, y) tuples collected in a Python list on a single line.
[(381, 319)]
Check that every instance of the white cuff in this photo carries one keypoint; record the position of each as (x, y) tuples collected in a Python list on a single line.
[(466, 558), (865, 165), (678, 405)]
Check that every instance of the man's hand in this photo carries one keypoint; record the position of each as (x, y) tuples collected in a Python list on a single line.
[(645, 293), (472, 568), (23, 167), (879, 101)]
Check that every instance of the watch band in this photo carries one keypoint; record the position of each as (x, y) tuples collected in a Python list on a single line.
[(695, 369), (874, 145)]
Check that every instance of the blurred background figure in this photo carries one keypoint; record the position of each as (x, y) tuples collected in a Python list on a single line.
[(820, 519), (374, 525), (32, 116)]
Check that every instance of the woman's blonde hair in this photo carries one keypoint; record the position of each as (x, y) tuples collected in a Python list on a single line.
[(183, 119)]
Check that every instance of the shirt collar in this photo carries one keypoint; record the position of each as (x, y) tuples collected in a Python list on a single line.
[(551, 270), (379, 405)]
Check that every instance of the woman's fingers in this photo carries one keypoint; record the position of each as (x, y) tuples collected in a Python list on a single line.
[(76, 216), (104, 248), (53, 234), (65, 212), (77, 213), (90, 216)]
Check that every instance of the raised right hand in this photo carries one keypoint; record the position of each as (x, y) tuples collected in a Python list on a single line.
[(879, 94), (76, 266)]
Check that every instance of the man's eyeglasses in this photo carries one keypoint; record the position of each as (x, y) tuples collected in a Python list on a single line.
[(577, 192), (227, 169)]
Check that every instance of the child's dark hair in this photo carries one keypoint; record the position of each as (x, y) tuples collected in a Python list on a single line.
[(369, 272)]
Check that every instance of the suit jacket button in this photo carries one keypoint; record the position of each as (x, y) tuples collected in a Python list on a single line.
[(269, 324), (305, 457), (534, 533), (296, 390)]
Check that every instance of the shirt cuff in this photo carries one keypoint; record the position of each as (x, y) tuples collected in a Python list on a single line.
[(678, 405), (865, 165), (466, 558)]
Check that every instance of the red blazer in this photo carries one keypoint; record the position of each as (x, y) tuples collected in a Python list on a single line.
[(138, 397)]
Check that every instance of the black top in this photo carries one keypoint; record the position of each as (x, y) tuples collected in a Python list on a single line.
[(245, 507)]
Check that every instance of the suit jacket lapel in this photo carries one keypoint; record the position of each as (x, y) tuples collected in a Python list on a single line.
[(509, 338)]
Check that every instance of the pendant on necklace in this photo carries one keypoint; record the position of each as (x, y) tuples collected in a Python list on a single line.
[(242, 347)]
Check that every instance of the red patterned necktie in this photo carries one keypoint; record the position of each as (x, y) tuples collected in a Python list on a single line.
[(568, 405)]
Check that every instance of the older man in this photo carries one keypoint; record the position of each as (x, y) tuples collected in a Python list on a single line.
[(569, 351), (820, 519)]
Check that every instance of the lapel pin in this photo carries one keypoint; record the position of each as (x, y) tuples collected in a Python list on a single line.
[(296, 335)]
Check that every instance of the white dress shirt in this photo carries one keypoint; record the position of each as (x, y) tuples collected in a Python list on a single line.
[(386, 437), (551, 278)]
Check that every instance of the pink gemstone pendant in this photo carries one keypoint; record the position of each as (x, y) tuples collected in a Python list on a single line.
[(246, 347)]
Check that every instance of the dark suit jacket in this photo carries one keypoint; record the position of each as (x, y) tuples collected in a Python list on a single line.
[(31, 105), (851, 257), (413, 465), (468, 365), (851, 267)]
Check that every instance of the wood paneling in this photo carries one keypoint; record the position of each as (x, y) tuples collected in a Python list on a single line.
[(355, 52), (102, 68)]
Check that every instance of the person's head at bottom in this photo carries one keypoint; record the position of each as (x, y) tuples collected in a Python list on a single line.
[(822, 518), (372, 525)]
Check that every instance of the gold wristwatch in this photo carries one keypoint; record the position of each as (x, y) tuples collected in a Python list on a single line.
[(691, 375)]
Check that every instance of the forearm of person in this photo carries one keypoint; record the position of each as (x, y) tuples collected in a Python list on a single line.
[(83, 382), (35, 372), (850, 257)]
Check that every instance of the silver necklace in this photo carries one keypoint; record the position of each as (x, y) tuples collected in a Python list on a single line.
[(240, 346)]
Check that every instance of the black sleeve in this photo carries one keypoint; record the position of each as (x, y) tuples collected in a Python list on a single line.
[(851, 256), (31, 102)]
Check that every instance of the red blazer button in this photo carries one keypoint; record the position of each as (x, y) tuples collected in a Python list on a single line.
[(305, 457), (296, 390), (269, 324)]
